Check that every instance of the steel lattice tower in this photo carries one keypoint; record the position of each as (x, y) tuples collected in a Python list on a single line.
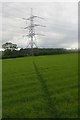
[(31, 30)]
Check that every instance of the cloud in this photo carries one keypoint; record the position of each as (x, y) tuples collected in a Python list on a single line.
[(60, 20)]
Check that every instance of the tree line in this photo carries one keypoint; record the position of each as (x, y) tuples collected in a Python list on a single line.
[(8, 53)]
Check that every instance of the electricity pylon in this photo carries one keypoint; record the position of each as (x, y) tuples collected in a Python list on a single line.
[(32, 33)]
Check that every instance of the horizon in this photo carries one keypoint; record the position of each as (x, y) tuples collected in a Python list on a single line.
[(43, 48)]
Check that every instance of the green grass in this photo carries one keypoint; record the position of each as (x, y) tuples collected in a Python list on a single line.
[(41, 87), (0, 89)]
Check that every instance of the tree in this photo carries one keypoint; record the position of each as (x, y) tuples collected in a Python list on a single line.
[(9, 46)]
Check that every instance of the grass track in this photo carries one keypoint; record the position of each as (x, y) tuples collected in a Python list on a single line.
[(44, 88), (50, 106)]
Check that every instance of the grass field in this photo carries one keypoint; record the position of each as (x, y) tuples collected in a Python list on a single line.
[(0, 89), (41, 87)]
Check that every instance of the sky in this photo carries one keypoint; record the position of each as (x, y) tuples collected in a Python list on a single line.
[(60, 19)]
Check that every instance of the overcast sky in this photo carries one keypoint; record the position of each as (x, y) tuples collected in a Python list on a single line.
[(61, 21)]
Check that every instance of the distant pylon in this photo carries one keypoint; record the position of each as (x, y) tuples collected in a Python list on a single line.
[(31, 26)]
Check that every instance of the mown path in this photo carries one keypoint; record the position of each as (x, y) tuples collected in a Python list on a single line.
[(50, 105)]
